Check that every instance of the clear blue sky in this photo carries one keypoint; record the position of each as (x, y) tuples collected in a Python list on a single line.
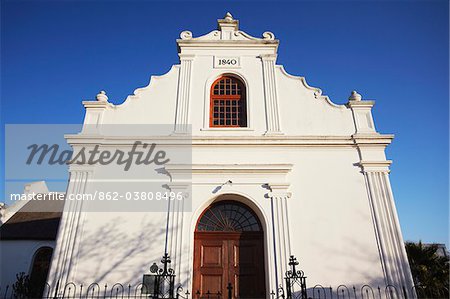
[(54, 54)]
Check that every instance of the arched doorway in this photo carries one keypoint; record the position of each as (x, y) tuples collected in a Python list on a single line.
[(229, 248), (39, 271)]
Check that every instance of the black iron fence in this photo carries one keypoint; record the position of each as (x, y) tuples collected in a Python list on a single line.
[(118, 290), (160, 284), (369, 292), (91, 291)]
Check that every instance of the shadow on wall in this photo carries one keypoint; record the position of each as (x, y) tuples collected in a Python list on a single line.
[(121, 249), (353, 258), (360, 264)]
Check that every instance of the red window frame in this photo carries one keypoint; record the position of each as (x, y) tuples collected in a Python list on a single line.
[(228, 105)]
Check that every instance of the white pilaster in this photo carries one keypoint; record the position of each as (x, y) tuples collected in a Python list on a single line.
[(281, 239), (387, 228), (362, 114), (94, 113), (270, 93), (61, 271), (227, 26), (176, 233), (184, 87)]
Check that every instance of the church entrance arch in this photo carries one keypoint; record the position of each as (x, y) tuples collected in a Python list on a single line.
[(229, 248)]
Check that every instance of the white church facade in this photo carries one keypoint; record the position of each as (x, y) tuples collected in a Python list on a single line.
[(276, 169)]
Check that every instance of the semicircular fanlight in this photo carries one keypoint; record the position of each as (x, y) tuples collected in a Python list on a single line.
[(227, 216)]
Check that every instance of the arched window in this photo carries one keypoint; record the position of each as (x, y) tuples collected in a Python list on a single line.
[(228, 216), (39, 271), (228, 107)]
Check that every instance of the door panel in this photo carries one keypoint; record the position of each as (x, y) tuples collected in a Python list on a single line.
[(247, 269), (237, 258), (211, 283), (210, 257)]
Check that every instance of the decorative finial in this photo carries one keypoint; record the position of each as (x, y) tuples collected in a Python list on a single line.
[(186, 34), (227, 24), (154, 268), (268, 35), (355, 96), (228, 17), (102, 97)]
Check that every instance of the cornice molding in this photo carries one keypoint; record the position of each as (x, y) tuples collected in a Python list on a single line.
[(375, 166), (361, 104), (81, 168), (279, 190), (262, 140), (234, 174), (372, 139), (229, 168), (97, 104)]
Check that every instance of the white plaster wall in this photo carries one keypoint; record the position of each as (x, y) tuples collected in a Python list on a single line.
[(118, 247), (303, 110), (17, 256), (330, 222), (153, 104)]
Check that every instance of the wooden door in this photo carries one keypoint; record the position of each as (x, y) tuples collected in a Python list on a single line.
[(246, 266), (229, 256)]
